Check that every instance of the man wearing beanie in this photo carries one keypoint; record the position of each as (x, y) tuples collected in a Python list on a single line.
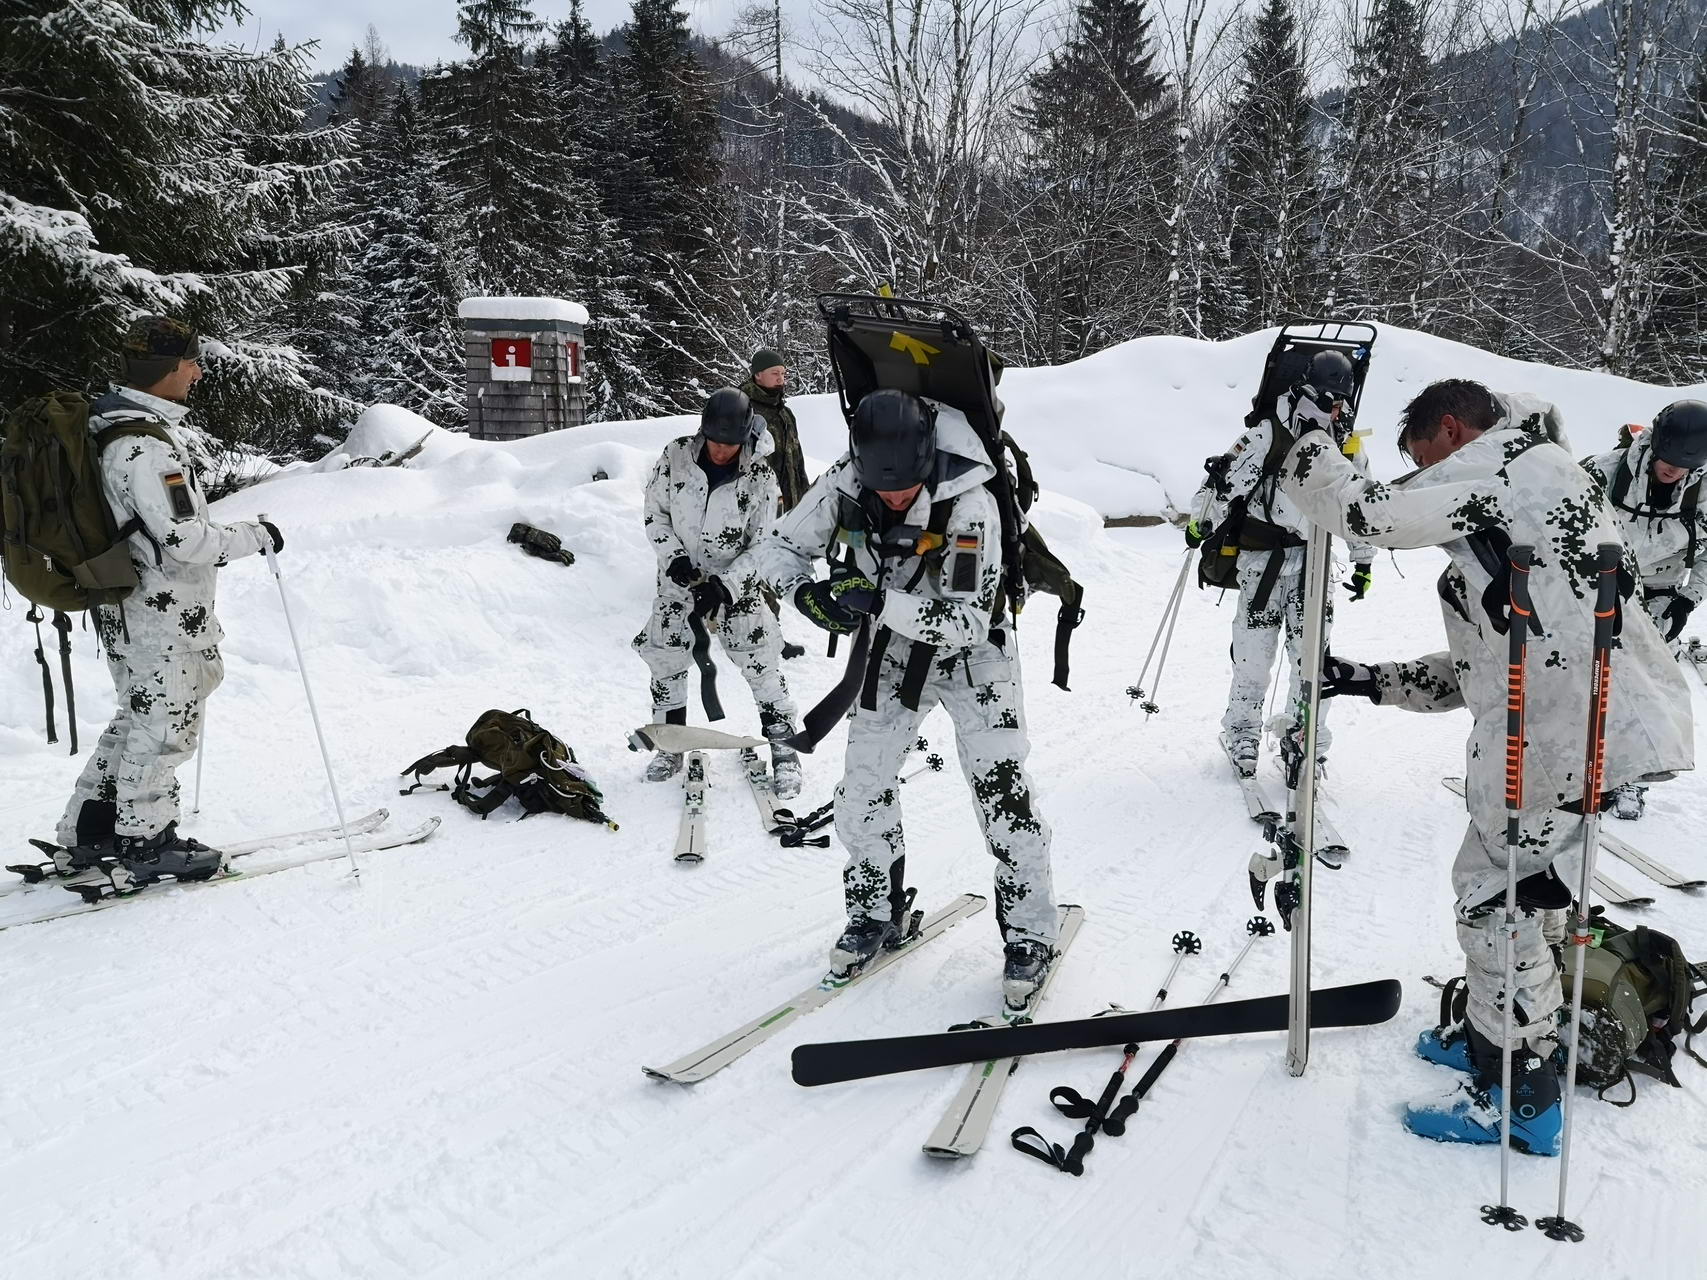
[(765, 389), (162, 641)]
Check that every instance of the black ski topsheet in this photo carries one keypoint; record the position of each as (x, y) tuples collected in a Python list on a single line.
[(1362, 1004)]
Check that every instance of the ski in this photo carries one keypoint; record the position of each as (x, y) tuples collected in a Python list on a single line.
[(38, 873), (693, 1067), (964, 1124), (1606, 887), (1362, 1004), (772, 816), (1256, 803), (690, 836), (1650, 867), (99, 895), (1695, 658)]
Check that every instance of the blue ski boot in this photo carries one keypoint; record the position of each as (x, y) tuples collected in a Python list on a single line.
[(1447, 1045), (1471, 1112)]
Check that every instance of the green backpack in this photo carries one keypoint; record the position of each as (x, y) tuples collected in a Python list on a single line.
[(1637, 991), (60, 546), (532, 765)]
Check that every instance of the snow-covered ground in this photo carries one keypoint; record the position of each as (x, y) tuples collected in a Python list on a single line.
[(436, 1073)]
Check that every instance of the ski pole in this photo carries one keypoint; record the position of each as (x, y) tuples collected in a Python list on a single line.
[(1165, 625), (1520, 622), (1256, 927), (313, 711), (201, 741), (1075, 1106), (1608, 557)]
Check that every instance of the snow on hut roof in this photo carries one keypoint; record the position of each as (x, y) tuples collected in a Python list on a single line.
[(521, 309)]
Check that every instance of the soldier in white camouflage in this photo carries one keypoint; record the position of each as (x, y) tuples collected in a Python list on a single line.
[(1490, 478), (1271, 536), (162, 643), (913, 536), (711, 497), (1654, 486)]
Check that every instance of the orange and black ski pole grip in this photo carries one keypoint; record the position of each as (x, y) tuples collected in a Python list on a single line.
[(1608, 558), (1519, 622)]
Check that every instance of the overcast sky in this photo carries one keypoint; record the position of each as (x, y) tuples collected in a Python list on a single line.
[(424, 31)]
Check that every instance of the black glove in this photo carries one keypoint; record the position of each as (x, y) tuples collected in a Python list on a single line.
[(1348, 679), (681, 571), (278, 538), (1361, 575), (838, 605), (710, 596), (1195, 533), (1677, 614)]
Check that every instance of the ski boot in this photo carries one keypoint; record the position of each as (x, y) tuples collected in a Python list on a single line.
[(1446, 1047), (141, 860), (1026, 963), (1471, 1112), (664, 766), (858, 945), (786, 776), (1629, 801), (1243, 749), (93, 843)]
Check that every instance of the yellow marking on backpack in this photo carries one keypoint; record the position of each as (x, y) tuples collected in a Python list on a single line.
[(920, 351)]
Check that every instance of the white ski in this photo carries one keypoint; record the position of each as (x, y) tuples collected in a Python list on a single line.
[(690, 837), (1695, 658), (242, 849), (326, 852), (1256, 803), (1609, 889), (763, 787), (1331, 848), (1650, 867), (966, 1121), (693, 1067)]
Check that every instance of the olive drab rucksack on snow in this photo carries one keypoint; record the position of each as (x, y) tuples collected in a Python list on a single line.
[(532, 765), (60, 544)]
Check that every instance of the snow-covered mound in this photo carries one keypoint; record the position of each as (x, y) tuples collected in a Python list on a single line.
[(436, 1073)]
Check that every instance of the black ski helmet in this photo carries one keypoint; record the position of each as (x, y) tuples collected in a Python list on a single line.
[(728, 418), (893, 441), (1680, 434), (1331, 374)]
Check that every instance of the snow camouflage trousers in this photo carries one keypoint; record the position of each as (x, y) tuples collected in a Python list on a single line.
[(748, 633), (980, 690), (1552, 839), (1256, 635), (153, 730)]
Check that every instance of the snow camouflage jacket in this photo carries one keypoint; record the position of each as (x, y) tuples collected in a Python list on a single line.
[(954, 615), (1517, 481), (1660, 537), (712, 531), (179, 551), (1267, 501)]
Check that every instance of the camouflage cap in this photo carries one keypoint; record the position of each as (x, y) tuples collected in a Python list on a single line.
[(160, 338)]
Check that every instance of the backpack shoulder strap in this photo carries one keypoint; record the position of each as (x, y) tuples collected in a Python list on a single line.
[(132, 427), (444, 759)]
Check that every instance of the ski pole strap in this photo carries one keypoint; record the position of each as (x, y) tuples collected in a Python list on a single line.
[(34, 617), (1071, 1103), (1032, 1143), (707, 668), (62, 624)]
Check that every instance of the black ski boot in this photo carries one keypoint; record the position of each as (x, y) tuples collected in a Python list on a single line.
[(1025, 966), (94, 839), (144, 859), (855, 949)]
